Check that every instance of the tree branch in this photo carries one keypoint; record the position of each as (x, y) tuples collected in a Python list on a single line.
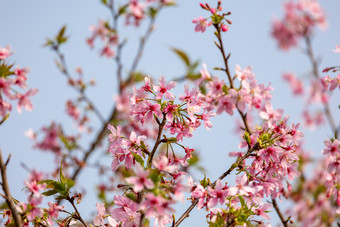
[(8, 196), (226, 173), (277, 209), (316, 74)]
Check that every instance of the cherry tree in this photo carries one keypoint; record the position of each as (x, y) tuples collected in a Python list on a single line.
[(145, 136)]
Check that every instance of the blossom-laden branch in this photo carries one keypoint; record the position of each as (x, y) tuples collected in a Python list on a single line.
[(8, 196), (316, 74), (226, 173)]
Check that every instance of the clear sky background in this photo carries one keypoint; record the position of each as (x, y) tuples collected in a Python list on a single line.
[(25, 25)]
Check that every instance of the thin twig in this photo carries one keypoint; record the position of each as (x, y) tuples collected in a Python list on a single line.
[(316, 74), (78, 216), (158, 141), (226, 173), (66, 72), (141, 47), (277, 209), (8, 196), (231, 82)]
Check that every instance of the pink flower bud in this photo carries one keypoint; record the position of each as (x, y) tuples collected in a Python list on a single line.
[(224, 28), (213, 10)]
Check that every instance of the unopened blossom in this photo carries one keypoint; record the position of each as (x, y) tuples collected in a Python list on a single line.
[(335, 82)]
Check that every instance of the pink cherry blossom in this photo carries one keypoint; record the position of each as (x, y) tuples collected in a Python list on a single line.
[(201, 24), (337, 49), (24, 101), (141, 180), (5, 52), (217, 194), (163, 89)]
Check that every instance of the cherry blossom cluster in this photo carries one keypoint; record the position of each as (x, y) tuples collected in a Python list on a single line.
[(217, 18), (161, 186), (316, 94), (107, 35), (331, 83), (31, 211), (311, 196), (299, 20), (10, 81), (273, 160), (135, 12), (156, 102)]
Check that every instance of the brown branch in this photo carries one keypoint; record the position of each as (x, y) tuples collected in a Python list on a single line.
[(123, 84), (141, 47), (226, 63), (100, 136), (158, 141), (316, 74), (67, 74), (277, 209), (8, 196), (77, 214), (226, 173)]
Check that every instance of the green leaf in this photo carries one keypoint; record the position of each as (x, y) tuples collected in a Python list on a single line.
[(155, 175), (49, 183), (5, 70), (104, 2), (246, 137), (243, 204), (50, 192), (61, 175), (69, 183), (205, 182), (138, 76), (192, 76), (182, 55), (4, 119), (61, 38), (138, 158), (49, 42), (153, 12), (122, 9)]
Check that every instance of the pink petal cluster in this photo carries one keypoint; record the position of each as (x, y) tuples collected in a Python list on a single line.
[(295, 84), (106, 35), (299, 20), (201, 24), (10, 82), (122, 148)]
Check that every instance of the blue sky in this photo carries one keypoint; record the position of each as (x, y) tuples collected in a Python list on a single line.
[(25, 25)]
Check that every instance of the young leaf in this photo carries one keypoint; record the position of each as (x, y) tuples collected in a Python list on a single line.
[(182, 55), (61, 38), (50, 192)]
